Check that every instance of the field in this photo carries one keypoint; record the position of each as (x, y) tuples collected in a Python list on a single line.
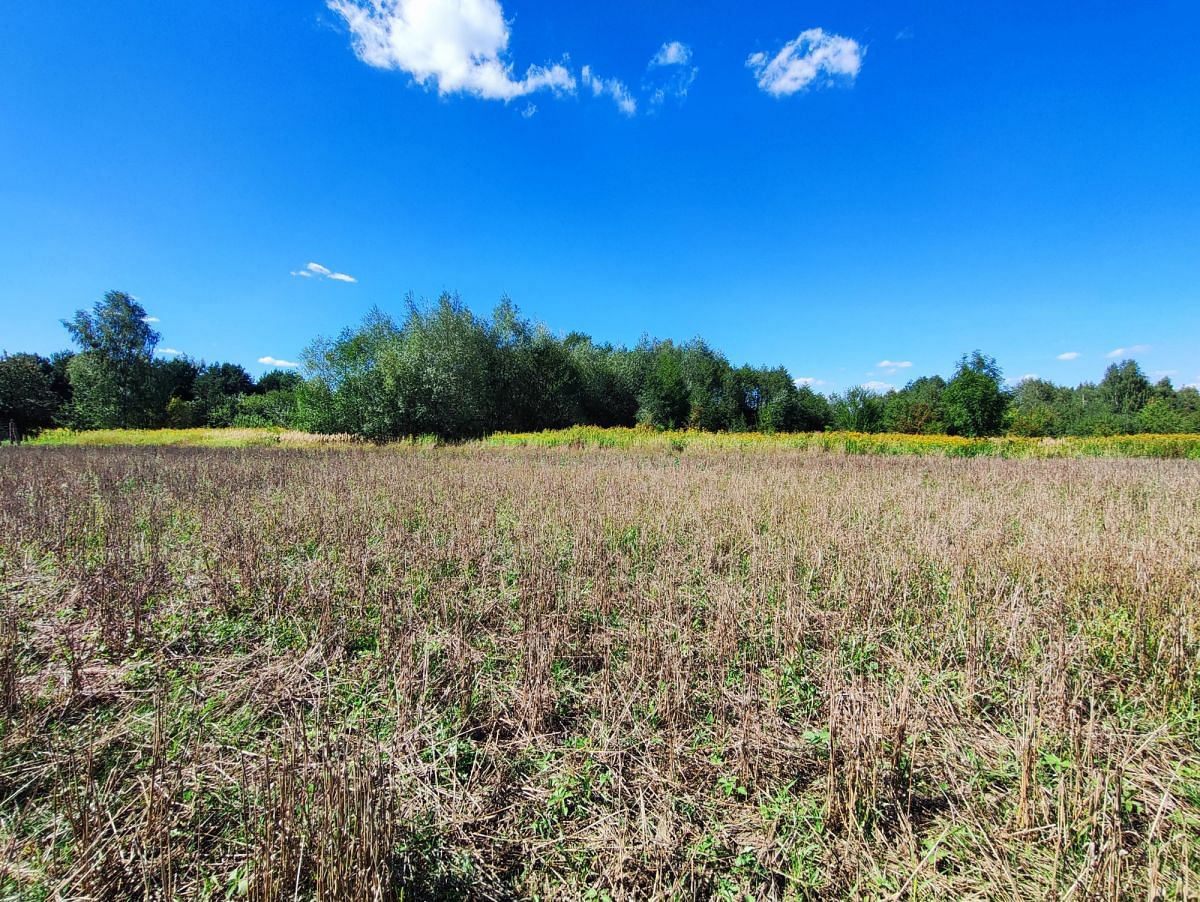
[(1182, 446), (511, 670)]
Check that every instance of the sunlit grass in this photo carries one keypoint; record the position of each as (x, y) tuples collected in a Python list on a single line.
[(1158, 446)]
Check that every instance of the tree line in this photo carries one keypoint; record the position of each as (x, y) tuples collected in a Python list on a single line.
[(443, 370)]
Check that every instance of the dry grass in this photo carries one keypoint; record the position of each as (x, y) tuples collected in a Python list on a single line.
[(494, 673)]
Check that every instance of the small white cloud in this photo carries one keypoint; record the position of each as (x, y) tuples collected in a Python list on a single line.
[(673, 53), (611, 87), (1126, 352), (530, 111), (457, 46), (275, 361), (669, 74), (894, 364), (905, 34), (167, 352), (1020, 379), (808, 382), (814, 58), (151, 319), (1069, 355), (877, 386), (316, 270)]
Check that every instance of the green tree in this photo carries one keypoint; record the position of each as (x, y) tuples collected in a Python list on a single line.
[(27, 398), (857, 409), (1125, 389), (974, 402), (917, 408), (218, 388), (278, 380), (663, 400), (110, 378)]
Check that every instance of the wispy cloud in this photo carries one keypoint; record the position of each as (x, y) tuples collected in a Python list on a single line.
[(1126, 352), (612, 87), (808, 382), (1019, 379), (151, 319), (814, 58), (670, 73), (530, 111), (894, 364), (673, 53), (167, 352), (877, 386), (1069, 355), (456, 46), (275, 361), (317, 271)]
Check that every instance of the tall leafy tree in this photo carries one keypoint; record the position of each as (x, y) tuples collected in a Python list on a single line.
[(858, 409), (111, 376), (974, 401), (27, 398), (1125, 388)]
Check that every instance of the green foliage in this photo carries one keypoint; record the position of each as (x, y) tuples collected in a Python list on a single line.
[(1124, 389), (112, 376), (445, 371), (27, 398), (917, 408), (973, 403), (858, 409)]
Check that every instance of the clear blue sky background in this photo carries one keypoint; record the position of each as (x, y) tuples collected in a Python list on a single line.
[(1020, 177)]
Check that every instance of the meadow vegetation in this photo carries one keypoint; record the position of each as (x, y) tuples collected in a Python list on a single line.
[(496, 671), (444, 370)]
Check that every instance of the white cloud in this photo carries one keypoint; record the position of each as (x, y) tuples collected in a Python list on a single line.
[(1020, 379), (1069, 355), (673, 53), (808, 382), (316, 270), (151, 319), (167, 352), (275, 361), (1125, 352), (611, 87), (669, 73), (459, 46), (876, 386), (530, 111), (815, 57), (894, 364)]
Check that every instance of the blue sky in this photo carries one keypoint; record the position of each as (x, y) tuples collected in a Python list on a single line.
[(829, 186)]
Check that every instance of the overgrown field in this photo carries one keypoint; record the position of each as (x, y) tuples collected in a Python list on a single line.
[(488, 672), (1182, 446)]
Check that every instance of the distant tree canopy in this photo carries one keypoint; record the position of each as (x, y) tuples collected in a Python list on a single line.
[(28, 401), (446, 371)]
